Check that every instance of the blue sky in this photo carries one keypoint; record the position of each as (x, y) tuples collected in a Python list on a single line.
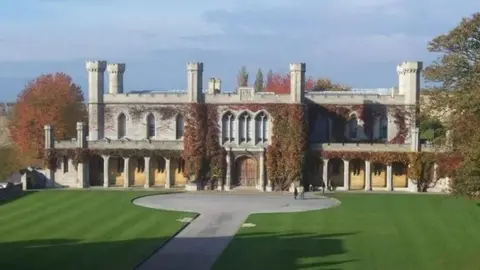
[(357, 42)]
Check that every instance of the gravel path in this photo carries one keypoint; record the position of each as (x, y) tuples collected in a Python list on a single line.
[(199, 244)]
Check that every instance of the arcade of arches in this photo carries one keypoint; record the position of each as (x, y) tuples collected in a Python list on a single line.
[(357, 174), (131, 172)]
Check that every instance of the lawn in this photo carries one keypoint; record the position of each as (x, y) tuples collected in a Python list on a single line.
[(367, 231), (81, 230)]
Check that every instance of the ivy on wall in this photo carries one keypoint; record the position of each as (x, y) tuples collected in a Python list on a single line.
[(194, 151), (215, 153)]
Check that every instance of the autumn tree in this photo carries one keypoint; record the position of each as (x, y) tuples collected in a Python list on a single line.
[(456, 79), (280, 84), (259, 81), (51, 99), (328, 85), (242, 78)]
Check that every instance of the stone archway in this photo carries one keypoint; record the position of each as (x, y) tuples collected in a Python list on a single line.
[(315, 172), (399, 175), (246, 172), (336, 172), (357, 174), (95, 170), (379, 175)]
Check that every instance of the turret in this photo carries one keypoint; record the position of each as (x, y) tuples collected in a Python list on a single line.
[(409, 75), (115, 82), (194, 82), (96, 71), (297, 82)]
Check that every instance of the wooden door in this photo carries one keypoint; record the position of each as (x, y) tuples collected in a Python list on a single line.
[(247, 175)]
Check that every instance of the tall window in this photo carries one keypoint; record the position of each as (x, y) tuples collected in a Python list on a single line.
[(179, 127), (383, 128), (352, 127), (261, 128), (245, 123), (65, 164), (150, 126), (122, 126), (227, 127)]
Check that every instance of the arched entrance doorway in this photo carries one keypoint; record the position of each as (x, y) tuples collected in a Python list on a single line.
[(315, 172), (246, 172)]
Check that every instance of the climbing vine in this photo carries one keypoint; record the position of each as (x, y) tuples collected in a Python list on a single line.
[(215, 153), (165, 112), (194, 149)]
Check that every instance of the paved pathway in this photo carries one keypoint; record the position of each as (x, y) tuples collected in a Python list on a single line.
[(221, 215)]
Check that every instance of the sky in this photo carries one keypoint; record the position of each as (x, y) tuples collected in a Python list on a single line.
[(355, 42)]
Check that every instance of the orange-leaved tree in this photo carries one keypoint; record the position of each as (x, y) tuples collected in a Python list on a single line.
[(280, 84), (51, 99)]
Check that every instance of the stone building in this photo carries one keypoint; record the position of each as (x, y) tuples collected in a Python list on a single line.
[(142, 120)]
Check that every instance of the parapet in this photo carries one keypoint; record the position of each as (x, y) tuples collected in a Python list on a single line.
[(116, 68), (297, 67), (96, 65), (409, 67), (195, 66)]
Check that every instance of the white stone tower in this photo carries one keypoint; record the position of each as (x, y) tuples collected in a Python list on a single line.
[(115, 78), (96, 72), (195, 82), (409, 76), (297, 82)]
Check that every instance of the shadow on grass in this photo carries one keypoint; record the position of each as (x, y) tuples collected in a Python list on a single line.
[(20, 196), (249, 251)]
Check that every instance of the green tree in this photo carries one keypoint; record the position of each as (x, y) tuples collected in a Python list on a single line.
[(259, 81), (431, 129), (456, 75), (242, 78)]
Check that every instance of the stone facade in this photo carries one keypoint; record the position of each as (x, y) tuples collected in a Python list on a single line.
[(148, 120)]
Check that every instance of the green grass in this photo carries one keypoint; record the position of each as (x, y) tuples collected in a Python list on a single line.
[(367, 231), (81, 230)]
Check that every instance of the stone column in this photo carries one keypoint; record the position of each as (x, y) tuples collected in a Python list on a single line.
[(389, 178), (325, 173), (346, 174), (126, 172), (228, 176), (168, 173), (81, 176), (261, 182), (49, 144), (106, 160), (368, 175), (147, 172)]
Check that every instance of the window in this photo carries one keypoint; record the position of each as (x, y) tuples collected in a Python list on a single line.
[(150, 126), (244, 124), (383, 128), (352, 127), (179, 127), (122, 126), (261, 128), (65, 164), (227, 128)]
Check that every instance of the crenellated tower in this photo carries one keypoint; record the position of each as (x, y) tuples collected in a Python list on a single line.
[(297, 82), (96, 72), (195, 82), (115, 78)]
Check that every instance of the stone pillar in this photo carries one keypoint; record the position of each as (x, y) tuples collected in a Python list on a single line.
[(106, 160), (168, 173), (346, 174), (389, 177), (115, 80), (126, 172), (261, 182), (49, 144), (228, 176), (368, 175), (325, 173), (147, 172), (415, 139), (80, 135), (81, 175)]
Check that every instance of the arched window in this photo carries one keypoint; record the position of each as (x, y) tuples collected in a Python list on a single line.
[(244, 124), (228, 128), (261, 128), (383, 125), (150, 126), (122, 126), (179, 126), (352, 127)]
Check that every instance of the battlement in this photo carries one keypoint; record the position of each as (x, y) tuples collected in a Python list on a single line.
[(96, 65), (195, 66), (409, 67), (116, 68), (299, 67)]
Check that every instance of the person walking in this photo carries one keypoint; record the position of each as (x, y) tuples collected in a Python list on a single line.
[(302, 192), (295, 193)]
